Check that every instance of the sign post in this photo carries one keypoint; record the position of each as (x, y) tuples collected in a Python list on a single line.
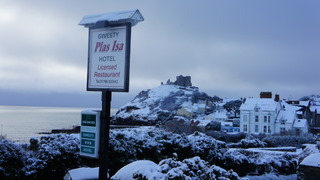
[(108, 69)]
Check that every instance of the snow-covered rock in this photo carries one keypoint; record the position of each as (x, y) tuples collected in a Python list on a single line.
[(161, 103), (142, 168)]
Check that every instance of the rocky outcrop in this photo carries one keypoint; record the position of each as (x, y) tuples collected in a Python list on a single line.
[(161, 103)]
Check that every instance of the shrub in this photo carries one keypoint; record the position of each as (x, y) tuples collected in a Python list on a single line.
[(252, 143), (245, 162), (213, 125), (226, 137), (194, 168), (54, 156), (153, 144), (11, 160), (181, 125), (296, 141)]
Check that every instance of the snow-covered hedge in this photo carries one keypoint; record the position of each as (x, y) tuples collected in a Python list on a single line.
[(275, 141), (245, 161), (11, 160), (170, 169), (154, 144), (53, 155)]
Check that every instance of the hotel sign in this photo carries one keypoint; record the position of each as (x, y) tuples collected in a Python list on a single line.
[(109, 58)]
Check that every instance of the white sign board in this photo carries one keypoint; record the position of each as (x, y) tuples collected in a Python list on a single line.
[(90, 133), (108, 63)]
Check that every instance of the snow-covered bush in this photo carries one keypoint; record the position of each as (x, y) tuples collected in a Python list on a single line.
[(213, 125), (181, 125), (139, 170), (154, 144), (251, 142), (226, 137), (297, 141), (172, 169), (207, 147), (11, 160), (194, 169), (246, 161), (54, 155), (239, 161)]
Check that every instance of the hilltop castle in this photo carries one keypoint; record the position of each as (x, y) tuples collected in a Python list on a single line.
[(181, 81)]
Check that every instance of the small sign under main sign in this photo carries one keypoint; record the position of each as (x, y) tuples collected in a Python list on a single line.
[(90, 133)]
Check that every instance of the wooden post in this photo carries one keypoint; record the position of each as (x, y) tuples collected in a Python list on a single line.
[(104, 161)]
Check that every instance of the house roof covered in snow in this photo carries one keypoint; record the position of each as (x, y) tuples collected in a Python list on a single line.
[(313, 108), (263, 104), (287, 112), (300, 123)]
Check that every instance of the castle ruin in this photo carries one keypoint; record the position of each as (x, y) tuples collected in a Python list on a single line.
[(184, 81)]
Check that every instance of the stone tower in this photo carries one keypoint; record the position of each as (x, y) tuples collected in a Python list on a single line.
[(183, 81)]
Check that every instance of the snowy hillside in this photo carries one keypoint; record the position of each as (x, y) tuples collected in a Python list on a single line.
[(161, 103)]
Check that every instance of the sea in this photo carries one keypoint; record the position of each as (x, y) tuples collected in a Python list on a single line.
[(20, 123)]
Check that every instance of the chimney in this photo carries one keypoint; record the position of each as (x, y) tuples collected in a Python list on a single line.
[(267, 95), (276, 97)]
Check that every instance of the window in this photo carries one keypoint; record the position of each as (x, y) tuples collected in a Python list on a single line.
[(256, 128), (269, 118), (256, 118), (269, 129), (265, 128), (245, 127), (265, 118), (245, 118), (282, 129), (283, 122)]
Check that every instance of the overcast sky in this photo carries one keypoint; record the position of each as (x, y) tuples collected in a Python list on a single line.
[(230, 48)]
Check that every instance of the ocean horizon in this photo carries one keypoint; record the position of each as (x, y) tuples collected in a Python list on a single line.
[(20, 123)]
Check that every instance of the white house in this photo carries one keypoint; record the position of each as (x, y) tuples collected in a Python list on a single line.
[(269, 116), (217, 116)]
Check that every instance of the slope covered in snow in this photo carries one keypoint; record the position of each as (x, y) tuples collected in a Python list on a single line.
[(161, 103)]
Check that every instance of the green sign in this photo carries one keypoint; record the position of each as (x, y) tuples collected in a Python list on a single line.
[(89, 135), (87, 150), (88, 120), (86, 142)]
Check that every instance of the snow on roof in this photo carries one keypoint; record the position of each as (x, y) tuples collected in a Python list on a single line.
[(132, 16), (224, 123), (312, 160), (288, 112), (263, 104), (300, 123), (304, 103), (221, 114), (313, 108)]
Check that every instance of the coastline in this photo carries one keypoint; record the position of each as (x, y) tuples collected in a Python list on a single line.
[(20, 123)]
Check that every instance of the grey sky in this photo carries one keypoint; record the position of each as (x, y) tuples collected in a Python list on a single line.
[(230, 48)]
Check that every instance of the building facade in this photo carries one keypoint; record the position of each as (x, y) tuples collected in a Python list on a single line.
[(269, 116)]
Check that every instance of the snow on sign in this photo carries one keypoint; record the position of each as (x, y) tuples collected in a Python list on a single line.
[(108, 64)]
